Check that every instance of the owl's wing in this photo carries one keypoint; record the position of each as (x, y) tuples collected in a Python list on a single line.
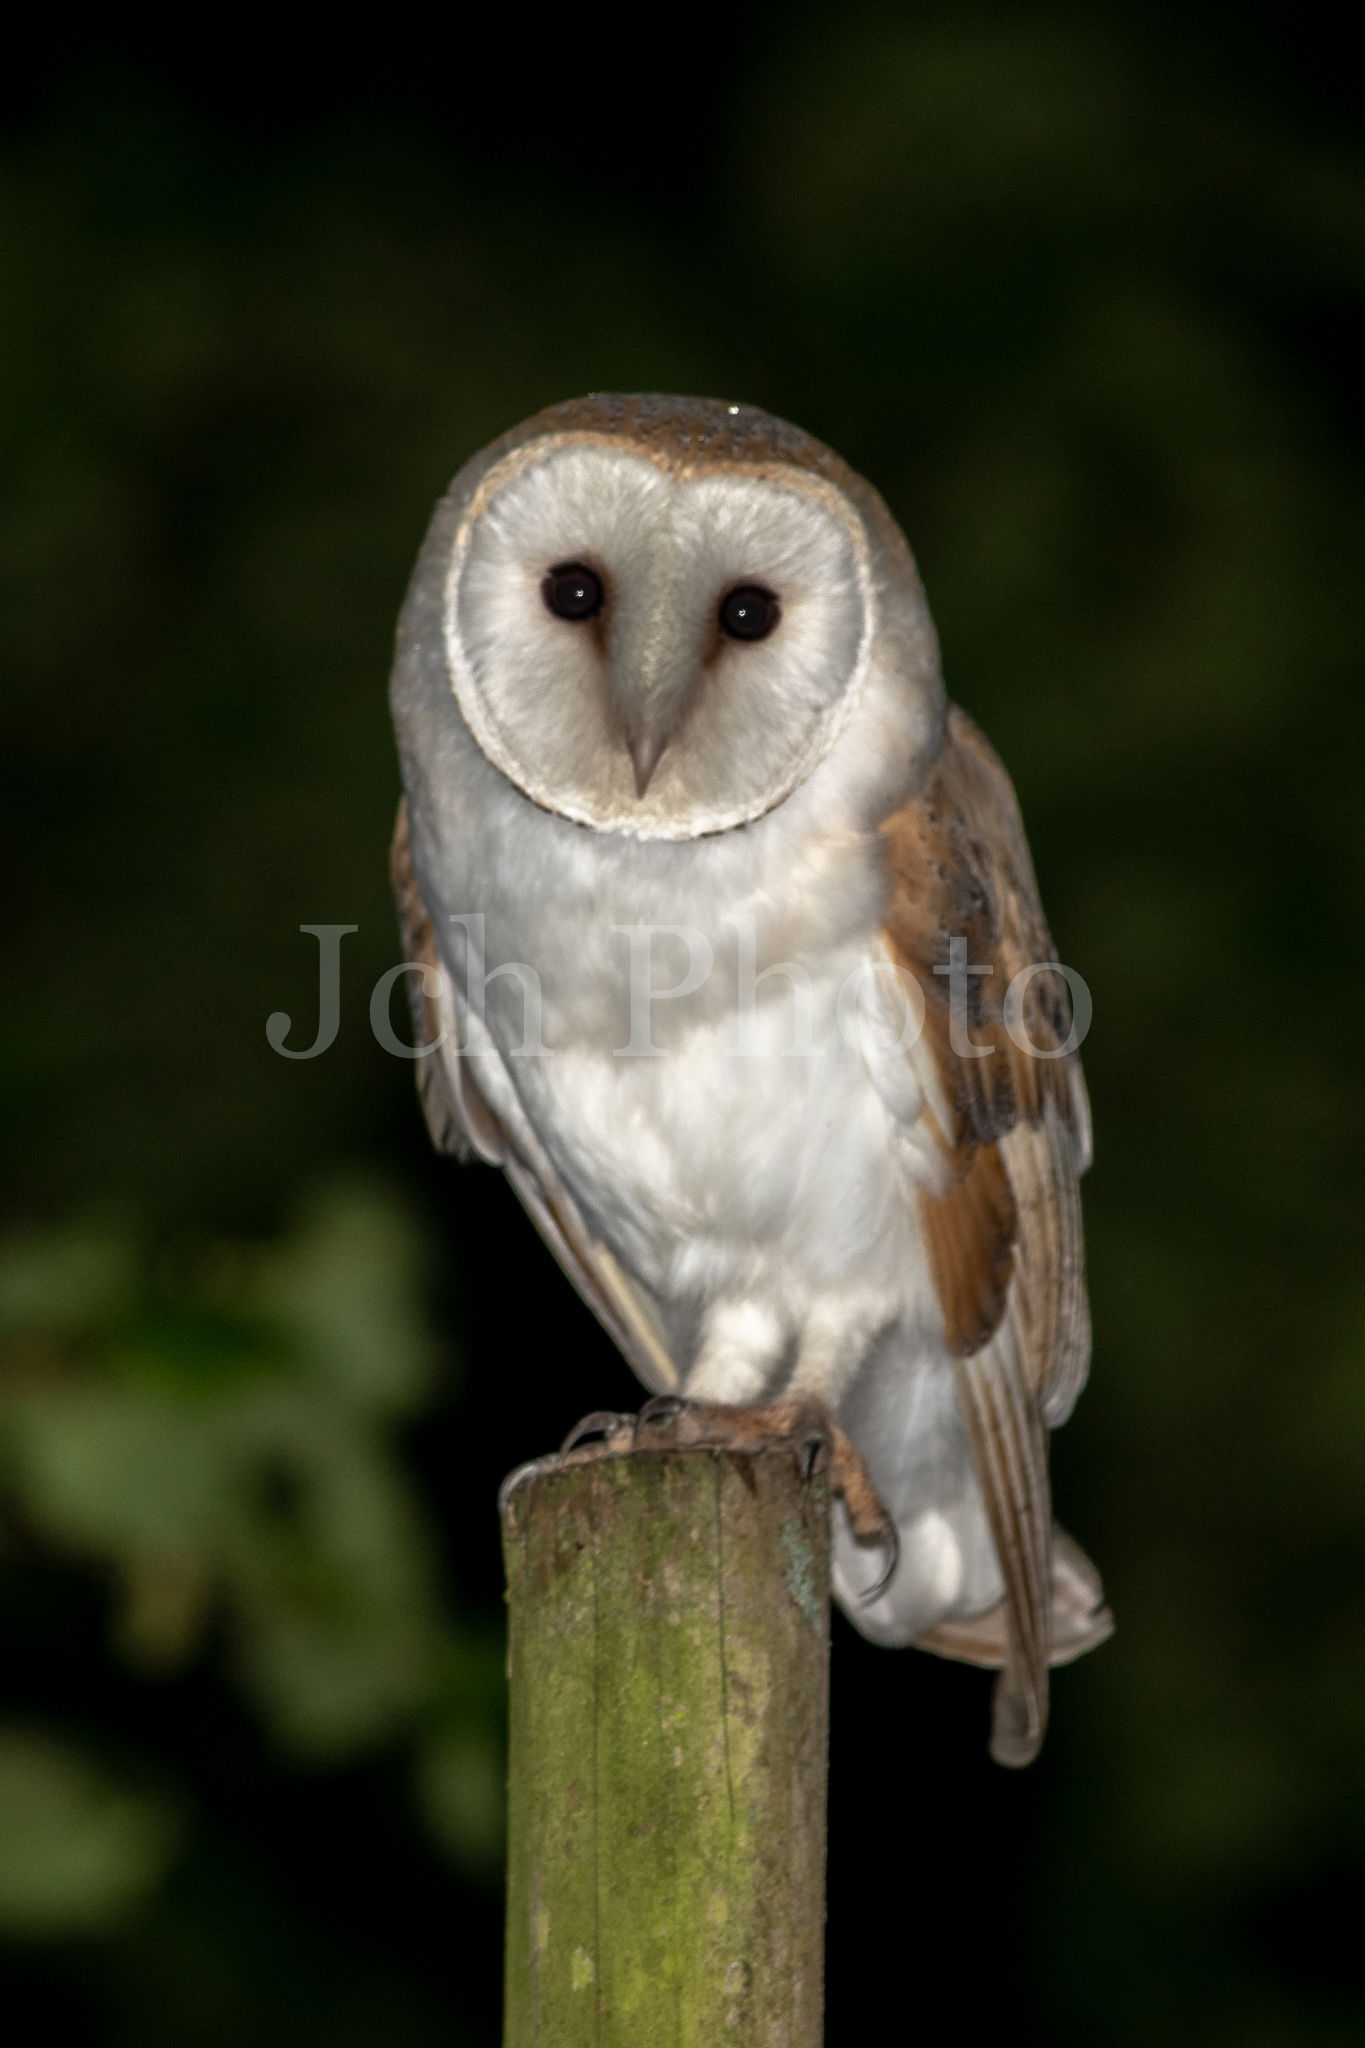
[(462, 1122), (1002, 1224), (458, 1118)]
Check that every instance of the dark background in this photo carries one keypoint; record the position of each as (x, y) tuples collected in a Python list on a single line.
[(1080, 289)]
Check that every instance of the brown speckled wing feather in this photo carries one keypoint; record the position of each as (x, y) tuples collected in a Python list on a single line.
[(1002, 1232)]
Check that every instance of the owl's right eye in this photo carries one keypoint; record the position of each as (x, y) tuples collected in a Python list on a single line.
[(572, 591)]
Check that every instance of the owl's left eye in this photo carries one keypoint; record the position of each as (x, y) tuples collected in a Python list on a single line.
[(749, 612), (572, 591)]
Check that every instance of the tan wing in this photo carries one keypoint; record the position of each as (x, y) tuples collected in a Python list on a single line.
[(462, 1122), (1003, 1237)]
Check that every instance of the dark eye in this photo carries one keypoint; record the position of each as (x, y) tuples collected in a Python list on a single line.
[(573, 592), (749, 612)]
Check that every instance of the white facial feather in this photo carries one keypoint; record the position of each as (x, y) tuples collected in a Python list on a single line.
[(551, 701)]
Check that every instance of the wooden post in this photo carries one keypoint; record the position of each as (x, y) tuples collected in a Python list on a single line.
[(668, 1661)]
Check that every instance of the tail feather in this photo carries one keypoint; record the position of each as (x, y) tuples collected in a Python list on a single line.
[(1079, 1620)]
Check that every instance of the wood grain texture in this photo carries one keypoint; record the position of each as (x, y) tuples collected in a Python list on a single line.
[(668, 1662)]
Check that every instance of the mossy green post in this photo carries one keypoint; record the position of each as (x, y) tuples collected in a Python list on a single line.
[(668, 1660)]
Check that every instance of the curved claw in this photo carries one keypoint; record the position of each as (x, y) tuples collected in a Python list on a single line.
[(663, 1409), (813, 1454), (892, 1539), (515, 1478), (601, 1422)]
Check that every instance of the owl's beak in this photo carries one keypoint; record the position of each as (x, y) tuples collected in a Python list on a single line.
[(645, 750), (654, 662), (652, 691)]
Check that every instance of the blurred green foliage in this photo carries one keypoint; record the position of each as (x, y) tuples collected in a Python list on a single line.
[(214, 1435), (1081, 291), (76, 1847)]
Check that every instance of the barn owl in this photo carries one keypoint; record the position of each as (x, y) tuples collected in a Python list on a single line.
[(725, 930)]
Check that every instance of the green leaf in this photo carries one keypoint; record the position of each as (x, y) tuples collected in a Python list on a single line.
[(64, 1280), (461, 1780), (78, 1850), (346, 1288)]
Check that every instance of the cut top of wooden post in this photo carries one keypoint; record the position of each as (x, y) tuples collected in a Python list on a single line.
[(668, 1662)]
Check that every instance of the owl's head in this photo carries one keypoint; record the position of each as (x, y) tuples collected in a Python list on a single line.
[(658, 614)]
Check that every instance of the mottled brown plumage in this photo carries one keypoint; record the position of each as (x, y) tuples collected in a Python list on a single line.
[(1003, 1238)]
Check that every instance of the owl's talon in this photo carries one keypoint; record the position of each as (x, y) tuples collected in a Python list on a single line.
[(603, 1422), (892, 1539), (813, 1456), (658, 1413), (517, 1477)]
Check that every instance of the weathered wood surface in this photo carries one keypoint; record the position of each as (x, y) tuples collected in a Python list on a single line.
[(668, 1660)]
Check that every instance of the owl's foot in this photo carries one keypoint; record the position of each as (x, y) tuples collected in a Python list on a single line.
[(821, 1445), (668, 1422), (617, 1433)]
